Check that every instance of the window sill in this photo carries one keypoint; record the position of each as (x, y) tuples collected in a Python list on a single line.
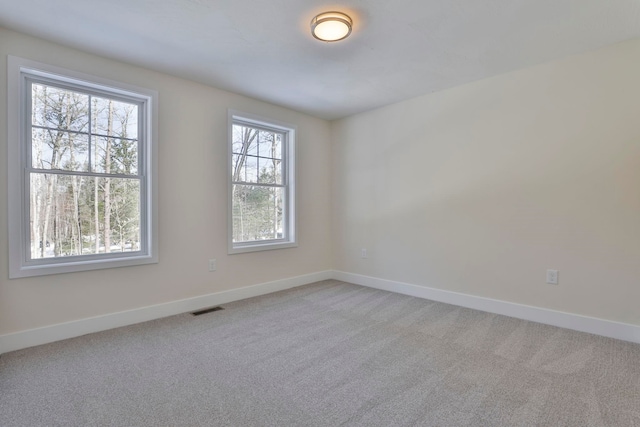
[(256, 247), (74, 266)]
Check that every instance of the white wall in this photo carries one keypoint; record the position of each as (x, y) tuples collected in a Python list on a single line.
[(192, 202), (482, 188)]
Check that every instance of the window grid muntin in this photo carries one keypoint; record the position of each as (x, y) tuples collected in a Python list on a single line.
[(79, 132)]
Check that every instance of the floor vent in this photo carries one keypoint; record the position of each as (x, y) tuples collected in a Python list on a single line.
[(206, 310)]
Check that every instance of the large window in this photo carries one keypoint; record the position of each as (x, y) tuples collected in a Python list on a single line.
[(261, 194), (81, 168)]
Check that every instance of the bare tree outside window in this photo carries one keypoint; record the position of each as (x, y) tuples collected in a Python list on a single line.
[(84, 185), (258, 201)]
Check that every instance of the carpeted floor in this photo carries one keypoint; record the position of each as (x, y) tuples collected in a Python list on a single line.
[(326, 354)]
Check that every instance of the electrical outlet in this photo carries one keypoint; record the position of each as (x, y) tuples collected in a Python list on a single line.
[(552, 277), (363, 252), (212, 265)]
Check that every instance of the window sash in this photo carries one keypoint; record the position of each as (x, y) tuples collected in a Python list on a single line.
[(284, 216), (143, 248), (30, 80)]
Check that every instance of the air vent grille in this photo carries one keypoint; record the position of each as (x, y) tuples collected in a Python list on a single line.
[(206, 310)]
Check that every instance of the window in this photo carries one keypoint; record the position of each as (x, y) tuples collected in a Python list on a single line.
[(262, 178), (81, 172)]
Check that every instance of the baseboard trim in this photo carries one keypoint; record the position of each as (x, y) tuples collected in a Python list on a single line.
[(61, 331), (607, 328)]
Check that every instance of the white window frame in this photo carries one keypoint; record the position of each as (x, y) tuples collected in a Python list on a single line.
[(20, 70), (289, 240)]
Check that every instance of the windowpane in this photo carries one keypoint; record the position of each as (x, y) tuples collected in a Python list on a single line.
[(236, 139), (244, 140), (258, 213), (236, 166), (121, 214), (248, 169), (56, 149), (270, 145), (59, 108), (114, 118), (115, 156), (250, 138), (278, 146), (81, 215), (270, 171)]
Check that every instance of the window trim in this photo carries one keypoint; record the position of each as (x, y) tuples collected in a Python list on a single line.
[(289, 174), (19, 71)]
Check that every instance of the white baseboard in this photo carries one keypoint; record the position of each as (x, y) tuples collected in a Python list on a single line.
[(607, 328), (61, 331), (47, 334)]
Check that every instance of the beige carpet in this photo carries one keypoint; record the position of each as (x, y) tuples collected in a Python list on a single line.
[(326, 354)]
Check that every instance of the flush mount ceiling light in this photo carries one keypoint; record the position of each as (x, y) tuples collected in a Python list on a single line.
[(331, 26)]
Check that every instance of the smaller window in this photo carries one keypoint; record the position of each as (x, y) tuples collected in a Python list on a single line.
[(261, 184)]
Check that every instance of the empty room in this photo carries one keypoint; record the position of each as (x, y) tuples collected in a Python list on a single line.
[(300, 213)]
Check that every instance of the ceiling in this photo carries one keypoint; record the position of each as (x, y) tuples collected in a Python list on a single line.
[(398, 49)]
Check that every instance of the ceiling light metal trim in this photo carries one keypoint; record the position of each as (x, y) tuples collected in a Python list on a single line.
[(331, 26)]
